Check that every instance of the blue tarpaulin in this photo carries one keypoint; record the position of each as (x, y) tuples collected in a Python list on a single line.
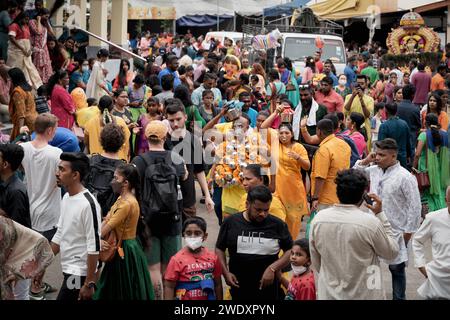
[(286, 8), (201, 20)]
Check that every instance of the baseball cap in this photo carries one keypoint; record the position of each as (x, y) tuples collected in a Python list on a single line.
[(156, 128)]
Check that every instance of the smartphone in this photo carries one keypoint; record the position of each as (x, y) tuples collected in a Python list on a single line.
[(368, 199)]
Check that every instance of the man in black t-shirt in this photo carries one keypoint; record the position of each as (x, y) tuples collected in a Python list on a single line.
[(254, 240), (189, 147), (165, 230)]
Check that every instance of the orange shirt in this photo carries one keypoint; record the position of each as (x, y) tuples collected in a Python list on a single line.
[(442, 120), (437, 82), (332, 156)]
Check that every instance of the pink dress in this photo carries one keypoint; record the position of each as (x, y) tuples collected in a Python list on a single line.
[(41, 57), (307, 75), (360, 142), (63, 107)]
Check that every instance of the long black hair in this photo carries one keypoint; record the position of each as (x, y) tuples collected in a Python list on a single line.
[(309, 62), (54, 79), (432, 123), (358, 120), (18, 79), (131, 174), (438, 103), (122, 74)]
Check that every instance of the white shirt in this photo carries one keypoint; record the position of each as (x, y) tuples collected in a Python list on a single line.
[(413, 72), (43, 192), (177, 52), (78, 231), (436, 227), (345, 243), (400, 195)]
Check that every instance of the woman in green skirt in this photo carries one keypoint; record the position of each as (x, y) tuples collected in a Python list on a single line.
[(126, 276), (432, 156)]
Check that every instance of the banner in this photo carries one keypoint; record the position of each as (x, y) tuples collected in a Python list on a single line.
[(155, 13)]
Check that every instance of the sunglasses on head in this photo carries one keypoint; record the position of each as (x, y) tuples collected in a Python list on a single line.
[(303, 86)]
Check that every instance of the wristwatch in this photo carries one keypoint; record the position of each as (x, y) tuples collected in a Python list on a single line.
[(91, 285)]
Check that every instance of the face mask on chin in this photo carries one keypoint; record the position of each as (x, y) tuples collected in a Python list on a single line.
[(342, 82), (298, 270), (193, 243)]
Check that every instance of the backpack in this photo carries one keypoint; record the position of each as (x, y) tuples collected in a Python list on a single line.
[(355, 153), (98, 182), (161, 190)]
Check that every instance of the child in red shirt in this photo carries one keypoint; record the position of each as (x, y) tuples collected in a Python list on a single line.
[(194, 273), (302, 285)]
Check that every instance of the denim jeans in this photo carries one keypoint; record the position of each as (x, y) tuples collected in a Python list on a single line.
[(398, 281)]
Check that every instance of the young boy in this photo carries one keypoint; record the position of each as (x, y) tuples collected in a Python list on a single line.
[(194, 273)]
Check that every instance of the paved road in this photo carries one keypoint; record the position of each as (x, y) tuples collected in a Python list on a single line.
[(413, 281)]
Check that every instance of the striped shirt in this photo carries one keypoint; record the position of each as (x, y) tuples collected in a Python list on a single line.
[(78, 231)]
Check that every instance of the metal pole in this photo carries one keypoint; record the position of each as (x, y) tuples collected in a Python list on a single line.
[(111, 44), (234, 21), (217, 15)]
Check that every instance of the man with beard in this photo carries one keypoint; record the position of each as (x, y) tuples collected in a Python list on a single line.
[(308, 107), (254, 240), (171, 68)]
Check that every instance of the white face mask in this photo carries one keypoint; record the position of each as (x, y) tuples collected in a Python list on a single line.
[(342, 82), (85, 68), (194, 243), (298, 270)]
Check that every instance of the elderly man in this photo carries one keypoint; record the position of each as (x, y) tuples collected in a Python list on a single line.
[(435, 228), (399, 192)]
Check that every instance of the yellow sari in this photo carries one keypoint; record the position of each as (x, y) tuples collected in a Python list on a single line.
[(290, 188)]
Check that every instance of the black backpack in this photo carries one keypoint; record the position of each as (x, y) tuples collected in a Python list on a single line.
[(98, 182), (160, 194)]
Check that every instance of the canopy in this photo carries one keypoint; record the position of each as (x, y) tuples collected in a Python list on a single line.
[(286, 8), (170, 9), (201, 21), (345, 9)]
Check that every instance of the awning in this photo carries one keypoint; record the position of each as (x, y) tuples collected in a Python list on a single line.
[(345, 9), (201, 20), (286, 8)]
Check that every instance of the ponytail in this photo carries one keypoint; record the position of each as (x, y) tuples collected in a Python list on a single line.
[(107, 117), (435, 134)]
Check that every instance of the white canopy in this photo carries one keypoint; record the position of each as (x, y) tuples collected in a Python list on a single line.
[(212, 7)]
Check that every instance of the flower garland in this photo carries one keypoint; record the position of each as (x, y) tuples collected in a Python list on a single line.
[(233, 156)]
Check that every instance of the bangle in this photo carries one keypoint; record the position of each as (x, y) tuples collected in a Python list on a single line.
[(303, 128), (272, 269)]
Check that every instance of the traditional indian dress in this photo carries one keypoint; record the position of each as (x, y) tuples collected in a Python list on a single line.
[(41, 57), (97, 78), (23, 252), (125, 278), (16, 58), (436, 162), (22, 106), (290, 188), (63, 107), (293, 95)]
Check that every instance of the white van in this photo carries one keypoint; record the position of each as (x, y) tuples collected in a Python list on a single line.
[(298, 46), (221, 35)]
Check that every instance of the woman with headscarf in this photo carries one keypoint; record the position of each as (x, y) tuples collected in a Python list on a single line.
[(20, 50), (22, 108), (24, 254)]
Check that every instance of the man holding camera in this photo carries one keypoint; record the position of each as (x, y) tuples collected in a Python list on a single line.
[(359, 101), (399, 192)]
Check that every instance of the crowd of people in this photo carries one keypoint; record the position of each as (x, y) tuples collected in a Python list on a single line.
[(104, 173)]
